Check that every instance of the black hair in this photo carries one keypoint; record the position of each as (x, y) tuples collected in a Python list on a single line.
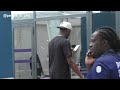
[(109, 34)]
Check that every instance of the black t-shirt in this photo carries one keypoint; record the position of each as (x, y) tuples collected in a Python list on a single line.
[(59, 50)]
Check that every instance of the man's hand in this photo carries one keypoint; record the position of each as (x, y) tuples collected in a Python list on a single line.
[(82, 77), (89, 60), (73, 52)]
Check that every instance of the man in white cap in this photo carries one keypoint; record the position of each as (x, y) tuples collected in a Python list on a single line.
[(60, 55)]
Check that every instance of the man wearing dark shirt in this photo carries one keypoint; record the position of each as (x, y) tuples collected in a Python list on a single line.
[(60, 55), (103, 60)]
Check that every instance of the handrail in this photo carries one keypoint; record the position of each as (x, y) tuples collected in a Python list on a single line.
[(23, 50), (23, 61)]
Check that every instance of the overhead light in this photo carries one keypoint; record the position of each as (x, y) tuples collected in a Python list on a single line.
[(77, 17), (64, 13)]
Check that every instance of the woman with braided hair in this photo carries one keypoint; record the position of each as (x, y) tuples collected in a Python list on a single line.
[(102, 59)]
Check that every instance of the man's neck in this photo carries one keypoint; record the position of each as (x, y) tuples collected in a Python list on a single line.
[(60, 35)]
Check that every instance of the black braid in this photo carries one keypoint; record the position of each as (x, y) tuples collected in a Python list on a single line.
[(111, 36)]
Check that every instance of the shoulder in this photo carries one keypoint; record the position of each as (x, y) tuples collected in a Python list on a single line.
[(62, 40), (108, 61), (53, 40), (66, 41), (108, 58)]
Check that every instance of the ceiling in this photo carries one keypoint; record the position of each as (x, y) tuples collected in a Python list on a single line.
[(29, 14)]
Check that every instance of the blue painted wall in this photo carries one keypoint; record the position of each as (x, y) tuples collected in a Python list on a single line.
[(6, 63), (103, 19), (83, 41)]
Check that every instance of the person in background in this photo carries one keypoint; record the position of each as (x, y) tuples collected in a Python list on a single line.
[(60, 55), (39, 66)]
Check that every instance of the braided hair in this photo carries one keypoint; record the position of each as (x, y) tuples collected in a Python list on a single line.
[(109, 34)]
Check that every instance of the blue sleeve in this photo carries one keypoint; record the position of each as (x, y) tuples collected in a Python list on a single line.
[(98, 71)]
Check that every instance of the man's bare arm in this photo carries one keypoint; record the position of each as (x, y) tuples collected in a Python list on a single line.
[(89, 60), (74, 67)]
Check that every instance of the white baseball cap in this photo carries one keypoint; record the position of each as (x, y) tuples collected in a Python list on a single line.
[(65, 24)]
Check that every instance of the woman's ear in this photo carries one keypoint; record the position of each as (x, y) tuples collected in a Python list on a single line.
[(105, 43)]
